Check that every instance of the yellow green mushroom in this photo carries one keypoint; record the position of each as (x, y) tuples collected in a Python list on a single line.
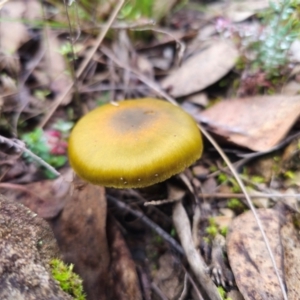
[(134, 143)]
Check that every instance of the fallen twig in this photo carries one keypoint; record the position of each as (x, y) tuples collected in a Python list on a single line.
[(148, 222), (240, 195), (20, 146)]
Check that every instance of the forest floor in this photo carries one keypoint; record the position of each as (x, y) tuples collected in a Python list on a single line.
[(229, 220)]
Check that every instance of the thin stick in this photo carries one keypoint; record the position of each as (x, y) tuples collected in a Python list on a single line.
[(20, 146), (240, 195), (148, 222), (85, 62)]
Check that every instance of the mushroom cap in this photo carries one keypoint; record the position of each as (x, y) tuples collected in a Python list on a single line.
[(134, 144)]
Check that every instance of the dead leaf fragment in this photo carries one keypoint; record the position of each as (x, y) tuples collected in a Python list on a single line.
[(13, 32), (124, 282), (169, 276), (258, 123), (249, 258), (236, 10), (202, 69)]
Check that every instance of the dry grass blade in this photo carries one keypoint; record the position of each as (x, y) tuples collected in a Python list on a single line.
[(85, 62)]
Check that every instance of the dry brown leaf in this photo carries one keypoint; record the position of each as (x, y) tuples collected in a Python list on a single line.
[(95, 245), (258, 123), (235, 295), (237, 11), (249, 258), (291, 248), (55, 65), (80, 231), (13, 32), (124, 282), (169, 276), (46, 198), (202, 69)]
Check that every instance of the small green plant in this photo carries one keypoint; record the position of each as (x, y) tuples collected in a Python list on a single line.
[(49, 145), (281, 28), (212, 230), (135, 9), (222, 178), (289, 174), (235, 204), (224, 231), (222, 293), (69, 281)]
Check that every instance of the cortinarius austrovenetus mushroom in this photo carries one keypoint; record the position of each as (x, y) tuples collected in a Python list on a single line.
[(134, 144)]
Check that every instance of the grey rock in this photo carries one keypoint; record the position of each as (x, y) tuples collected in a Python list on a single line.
[(26, 247)]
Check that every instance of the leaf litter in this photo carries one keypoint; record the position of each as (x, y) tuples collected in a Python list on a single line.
[(202, 69), (248, 256), (258, 123), (78, 212)]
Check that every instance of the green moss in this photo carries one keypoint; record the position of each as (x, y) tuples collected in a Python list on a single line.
[(133, 9), (69, 281), (257, 179), (235, 204), (224, 231), (289, 174), (212, 230), (222, 178), (222, 293)]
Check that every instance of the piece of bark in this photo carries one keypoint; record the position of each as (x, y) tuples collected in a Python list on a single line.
[(80, 231), (26, 247), (124, 283)]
